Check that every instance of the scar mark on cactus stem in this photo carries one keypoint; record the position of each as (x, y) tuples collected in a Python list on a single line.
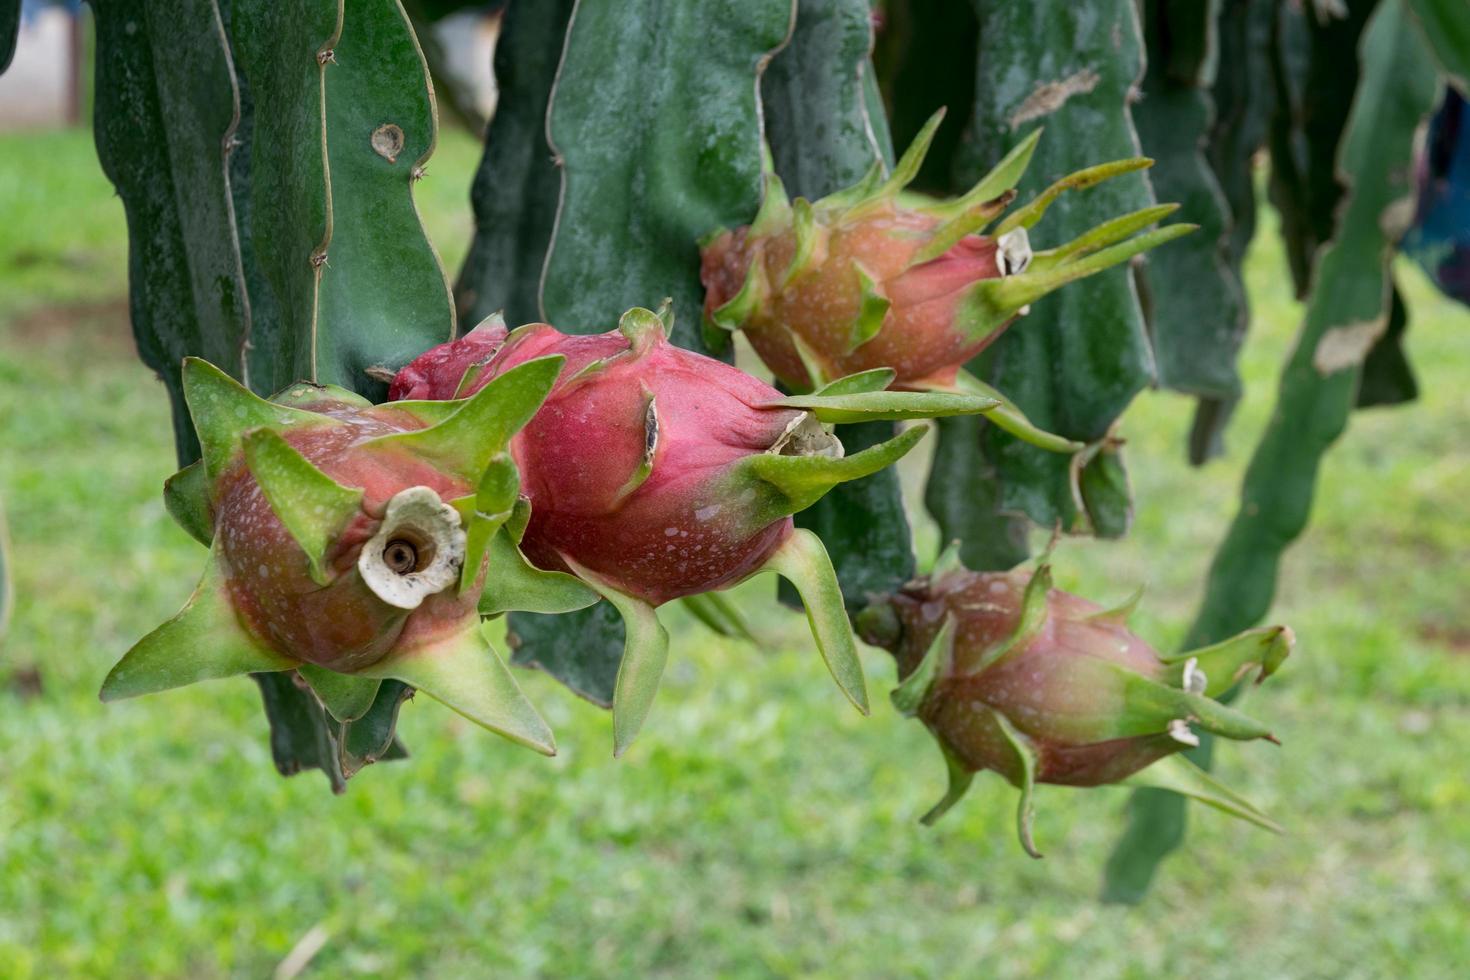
[(1347, 345), (1048, 97), (387, 141), (417, 173), (318, 260), (326, 56)]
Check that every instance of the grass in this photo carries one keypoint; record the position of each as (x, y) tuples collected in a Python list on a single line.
[(760, 827)]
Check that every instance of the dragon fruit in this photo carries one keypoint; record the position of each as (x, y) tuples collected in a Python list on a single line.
[(653, 473), (1040, 685), (861, 280), (348, 542)]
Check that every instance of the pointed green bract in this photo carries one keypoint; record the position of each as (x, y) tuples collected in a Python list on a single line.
[(1223, 664), (1149, 707), (991, 303), (205, 641), (465, 674), (1107, 233), (775, 211), (1007, 414), (878, 379), (1004, 176), (878, 406), (312, 506), (872, 310), (481, 425), (186, 498), (1027, 215), (1026, 764), (804, 228), (969, 222), (1122, 612), (910, 694), (645, 652), (1028, 624), (345, 696), (642, 328), (960, 780), (1177, 774), (489, 509), (850, 197), (906, 169), (514, 584), (802, 560), (223, 409), (429, 413), (800, 481), (722, 615), (304, 393), (644, 469)]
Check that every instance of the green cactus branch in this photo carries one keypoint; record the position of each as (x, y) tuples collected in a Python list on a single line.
[(1349, 309)]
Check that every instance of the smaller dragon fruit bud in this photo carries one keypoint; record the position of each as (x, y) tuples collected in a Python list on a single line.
[(1043, 686), (348, 543), (860, 280), (654, 473)]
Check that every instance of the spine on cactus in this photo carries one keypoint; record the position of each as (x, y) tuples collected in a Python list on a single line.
[(697, 470), (1042, 686), (348, 543), (1318, 385)]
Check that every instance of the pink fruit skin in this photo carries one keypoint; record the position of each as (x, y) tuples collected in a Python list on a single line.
[(685, 529), (1057, 690), (343, 625), (919, 339)]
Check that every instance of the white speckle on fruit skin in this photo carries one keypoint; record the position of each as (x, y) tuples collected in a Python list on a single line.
[(262, 571), (708, 513), (670, 532)]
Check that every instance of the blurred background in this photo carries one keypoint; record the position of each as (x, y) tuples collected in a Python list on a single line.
[(760, 827)]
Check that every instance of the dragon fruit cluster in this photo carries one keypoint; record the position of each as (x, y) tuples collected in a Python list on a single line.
[(544, 471)]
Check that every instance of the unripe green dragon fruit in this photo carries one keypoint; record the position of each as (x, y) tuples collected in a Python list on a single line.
[(1043, 686), (348, 542), (864, 279), (653, 473)]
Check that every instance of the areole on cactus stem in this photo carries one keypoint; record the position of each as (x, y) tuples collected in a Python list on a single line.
[(1043, 686), (653, 473), (348, 542), (865, 279)]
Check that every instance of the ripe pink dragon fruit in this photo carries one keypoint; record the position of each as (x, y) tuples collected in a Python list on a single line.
[(1039, 685), (859, 280), (653, 473), (348, 542)]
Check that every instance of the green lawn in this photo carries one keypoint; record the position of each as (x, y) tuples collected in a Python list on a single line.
[(760, 826)]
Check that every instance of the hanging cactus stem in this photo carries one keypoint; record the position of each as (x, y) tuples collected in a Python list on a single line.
[(802, 560), (463, 673), (344, 696)]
